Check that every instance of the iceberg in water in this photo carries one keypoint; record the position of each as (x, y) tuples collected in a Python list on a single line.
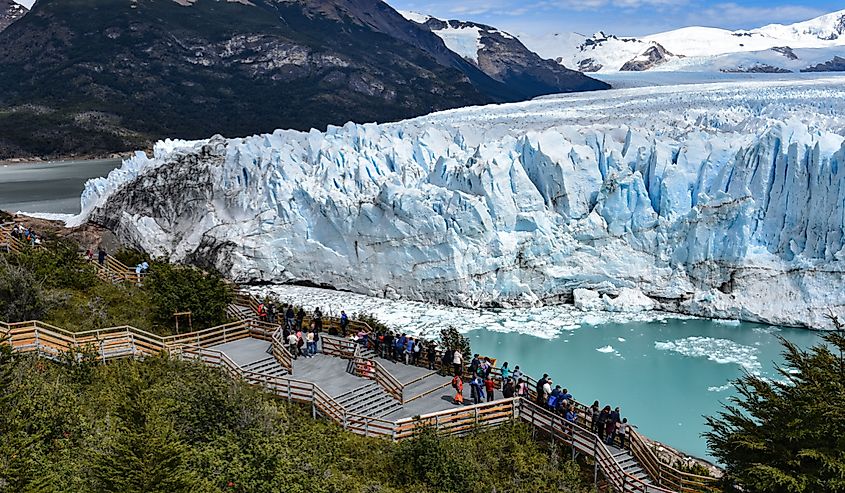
[(722, 200)]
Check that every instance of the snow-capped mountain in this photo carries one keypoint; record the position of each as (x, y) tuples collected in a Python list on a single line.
[(805, 46), (503, 57), (10, 12), (719, 200)]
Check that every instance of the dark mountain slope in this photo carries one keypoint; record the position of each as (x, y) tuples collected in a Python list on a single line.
[(98, 76), (10, 12)]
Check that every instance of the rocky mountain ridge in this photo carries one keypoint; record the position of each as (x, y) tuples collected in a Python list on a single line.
[(10, 12), (503, 57), (92, 76)]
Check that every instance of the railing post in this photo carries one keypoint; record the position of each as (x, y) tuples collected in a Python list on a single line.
[(344, 419), (596, 458), (476, 416)]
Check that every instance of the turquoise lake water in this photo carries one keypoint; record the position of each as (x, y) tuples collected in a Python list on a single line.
[(665, 375)]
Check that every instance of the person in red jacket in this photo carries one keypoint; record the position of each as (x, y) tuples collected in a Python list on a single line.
[(490, 386)]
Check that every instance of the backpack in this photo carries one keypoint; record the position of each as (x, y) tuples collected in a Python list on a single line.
[(553, 401)]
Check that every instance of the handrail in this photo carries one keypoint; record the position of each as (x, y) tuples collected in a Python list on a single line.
[(373, 370)]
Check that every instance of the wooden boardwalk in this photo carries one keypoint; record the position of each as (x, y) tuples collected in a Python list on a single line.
[(332, 374)]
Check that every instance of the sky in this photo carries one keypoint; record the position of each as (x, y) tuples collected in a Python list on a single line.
[(621, 17)]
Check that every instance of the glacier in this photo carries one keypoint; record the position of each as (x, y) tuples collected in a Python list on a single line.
[(723, 200)]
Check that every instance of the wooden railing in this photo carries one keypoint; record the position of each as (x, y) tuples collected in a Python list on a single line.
[(280, 351), (121, 342), (339, 346), (460, 420), (373, 370), (113, 270)]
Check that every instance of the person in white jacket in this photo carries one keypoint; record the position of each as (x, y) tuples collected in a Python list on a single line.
[(458, 362)]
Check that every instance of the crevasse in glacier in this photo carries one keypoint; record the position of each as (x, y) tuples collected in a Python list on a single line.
[(716, 200)]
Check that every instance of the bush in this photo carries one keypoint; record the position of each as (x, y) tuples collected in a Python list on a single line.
[(59, 266), (186, 289), (21, 294), (130, 257)]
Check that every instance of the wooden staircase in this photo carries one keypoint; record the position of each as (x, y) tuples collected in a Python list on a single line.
[(267, 366), (369, 400)]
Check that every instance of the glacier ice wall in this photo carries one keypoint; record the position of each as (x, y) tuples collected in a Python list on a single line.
[(716, 200)]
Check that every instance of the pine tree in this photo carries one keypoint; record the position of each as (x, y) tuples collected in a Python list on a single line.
[(787, 436), (144, 454), (17, 457)]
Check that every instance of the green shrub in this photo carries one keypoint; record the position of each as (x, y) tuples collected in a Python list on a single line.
[(131, 257), (176, 289), (21, 294), (59, 266)]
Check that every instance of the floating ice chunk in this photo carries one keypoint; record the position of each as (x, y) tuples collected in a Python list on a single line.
[(720, 388), (606, 349), (722, 351)]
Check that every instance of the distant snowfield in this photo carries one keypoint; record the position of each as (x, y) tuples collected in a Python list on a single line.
[(722, 200), (791, 47)]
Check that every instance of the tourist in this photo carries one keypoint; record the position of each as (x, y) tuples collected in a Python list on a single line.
[(318, 320), (601, 423), (553, 401), (505, 371), (292, 345), (311, 348), (565, 397), (508, 389), (457, 362), (89, 255), (622, 431), (101, 256), (458, 385), (485, 368), (593, 414), (490, 386), (409, 351), (610, 427), (571, 414), (522, 388), (399, 347), (517, 374), (316, 342), (262, 312), (300, 317), (417, 351), (431, 355), (541, 395), (477, 389), (446, 361), (473, 365), (300, 343), (290, 317), (344, 322), (387, 346)]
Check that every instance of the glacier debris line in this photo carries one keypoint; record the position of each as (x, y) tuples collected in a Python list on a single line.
[(722, 200)]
